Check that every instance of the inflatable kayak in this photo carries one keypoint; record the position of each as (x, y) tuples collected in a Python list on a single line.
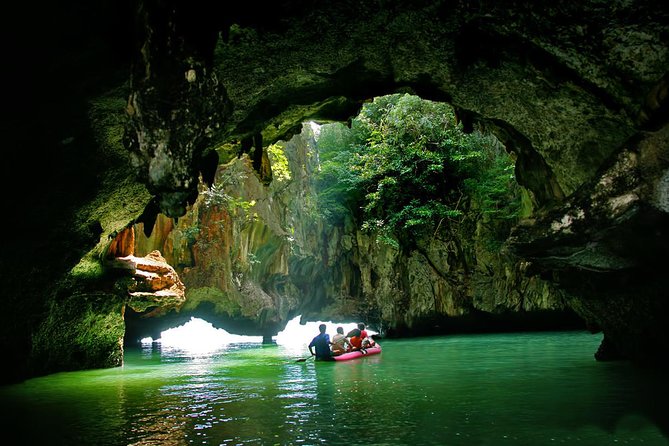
[(358, 354)]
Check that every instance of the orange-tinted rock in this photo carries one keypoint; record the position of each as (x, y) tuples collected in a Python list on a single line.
[(123, 244), (156, 283)]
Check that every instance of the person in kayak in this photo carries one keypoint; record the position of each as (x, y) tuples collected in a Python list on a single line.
[(365, 340), (340, 343), (355, 339), (321, 343)]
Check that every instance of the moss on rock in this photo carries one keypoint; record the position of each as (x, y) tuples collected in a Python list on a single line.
[(81, 331)]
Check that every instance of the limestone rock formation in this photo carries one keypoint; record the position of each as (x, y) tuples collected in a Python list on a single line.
[(254, 256), (608, 243), (156, 285), (171, 115), (565, 87), (574, 90), (238, 245)]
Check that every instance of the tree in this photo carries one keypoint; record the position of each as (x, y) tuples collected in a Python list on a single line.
[(408, 167)]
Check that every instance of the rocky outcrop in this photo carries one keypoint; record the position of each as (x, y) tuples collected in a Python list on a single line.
[(608, 243), (238, 245), (599, 228), (172, 115), (155, 283)]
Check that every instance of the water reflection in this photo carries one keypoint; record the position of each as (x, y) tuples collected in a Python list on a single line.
[(538, 389)]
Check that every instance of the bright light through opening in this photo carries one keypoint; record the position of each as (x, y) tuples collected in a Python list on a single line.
[(316, 129), (198, 335), (296, 334)]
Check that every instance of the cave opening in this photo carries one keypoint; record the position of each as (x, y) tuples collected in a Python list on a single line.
[(197, 336), (414, 173), (586, 85)]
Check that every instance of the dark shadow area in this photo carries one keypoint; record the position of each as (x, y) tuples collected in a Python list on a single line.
[(481, 322)]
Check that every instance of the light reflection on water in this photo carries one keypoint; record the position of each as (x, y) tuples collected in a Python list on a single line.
[(522, 389)]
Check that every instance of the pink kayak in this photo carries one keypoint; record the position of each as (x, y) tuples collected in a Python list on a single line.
[(358, 354)]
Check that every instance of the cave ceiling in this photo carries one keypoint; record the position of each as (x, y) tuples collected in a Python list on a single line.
[(563, 86)]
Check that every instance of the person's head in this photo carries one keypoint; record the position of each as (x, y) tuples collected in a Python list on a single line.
[(361, 326), (322, 328), (340, 330)]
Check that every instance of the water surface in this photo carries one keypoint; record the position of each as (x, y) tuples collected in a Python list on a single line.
[(500, 389)]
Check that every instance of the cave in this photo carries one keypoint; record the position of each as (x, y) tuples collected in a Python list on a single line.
[(129, 107)]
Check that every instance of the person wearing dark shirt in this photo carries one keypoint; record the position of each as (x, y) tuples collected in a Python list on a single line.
[(321, 344)]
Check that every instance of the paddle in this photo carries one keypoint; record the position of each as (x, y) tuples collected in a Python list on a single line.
[(304, 359)]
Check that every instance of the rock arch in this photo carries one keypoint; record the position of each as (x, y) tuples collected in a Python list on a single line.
[(568, 88), (578, 91)]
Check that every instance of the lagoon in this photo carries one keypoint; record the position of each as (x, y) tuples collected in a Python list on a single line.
[(491, 389)]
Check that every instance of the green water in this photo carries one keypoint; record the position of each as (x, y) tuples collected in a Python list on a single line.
[(502, 389)]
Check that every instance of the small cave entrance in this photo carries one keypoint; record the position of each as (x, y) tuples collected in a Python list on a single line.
[(200, 336)]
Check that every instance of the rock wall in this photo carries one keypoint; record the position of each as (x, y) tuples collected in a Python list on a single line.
[(252, 257), (607, 244)]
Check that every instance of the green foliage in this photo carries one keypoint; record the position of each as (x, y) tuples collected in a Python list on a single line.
[(191, 234), (494, 188), (336, 181), (217, 197), (280, 166), (408, 168)]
